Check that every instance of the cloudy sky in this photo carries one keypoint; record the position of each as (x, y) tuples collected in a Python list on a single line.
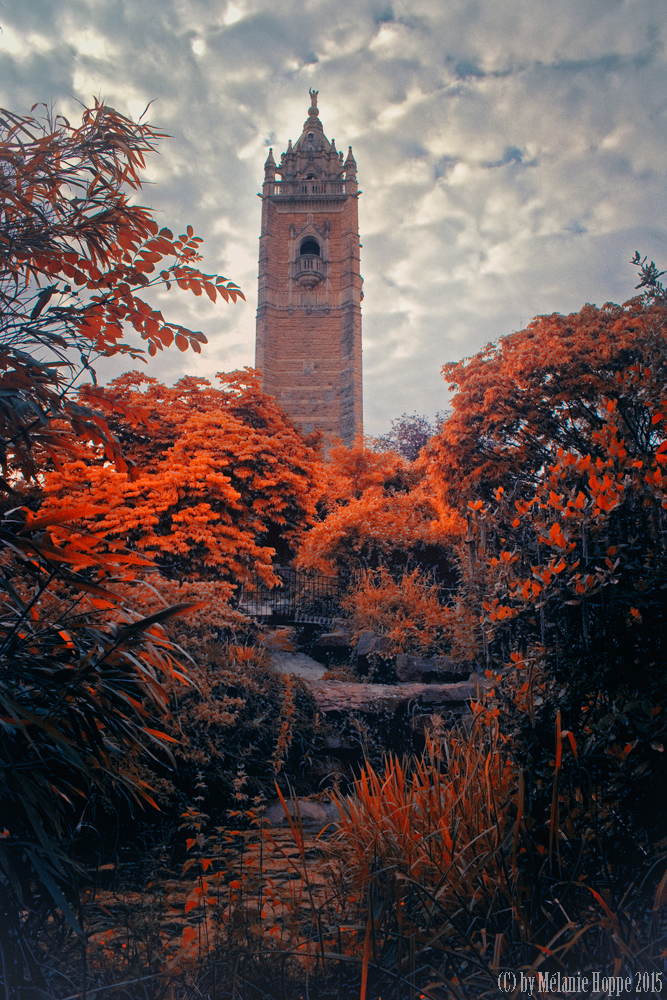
[(512, 153)]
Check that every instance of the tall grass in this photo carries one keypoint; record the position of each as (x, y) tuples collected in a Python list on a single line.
[(445, 823), (438, 875), (430, 846), (458, 881)]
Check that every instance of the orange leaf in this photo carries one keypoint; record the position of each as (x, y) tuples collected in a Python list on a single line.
[(57, 517), (159, 735)]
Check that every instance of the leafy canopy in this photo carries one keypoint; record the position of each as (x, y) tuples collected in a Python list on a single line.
[(77, 257), (81, 672), (220, 481), (546, 387)]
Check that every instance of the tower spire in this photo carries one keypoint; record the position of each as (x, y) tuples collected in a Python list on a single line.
[(270, 167)]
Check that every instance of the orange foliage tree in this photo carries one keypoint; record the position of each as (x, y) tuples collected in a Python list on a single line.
[(80, 671), (378, 510), (547, 387), (384, 530), (559, 435), (570, 430), (220, 481), (79, 258)]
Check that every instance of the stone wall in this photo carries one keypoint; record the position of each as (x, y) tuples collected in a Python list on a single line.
[(309, 338)]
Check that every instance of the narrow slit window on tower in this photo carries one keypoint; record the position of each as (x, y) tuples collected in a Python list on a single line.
[(310, 246)]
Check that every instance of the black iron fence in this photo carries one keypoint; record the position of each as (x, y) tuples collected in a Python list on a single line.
[(298, 597)]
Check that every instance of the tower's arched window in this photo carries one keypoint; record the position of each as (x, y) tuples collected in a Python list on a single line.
[(310, 246)]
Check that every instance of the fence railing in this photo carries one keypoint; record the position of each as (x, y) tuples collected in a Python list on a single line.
[(299, 597)]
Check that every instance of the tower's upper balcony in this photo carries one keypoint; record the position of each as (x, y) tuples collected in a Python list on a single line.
[(308, 188), (309, 269)]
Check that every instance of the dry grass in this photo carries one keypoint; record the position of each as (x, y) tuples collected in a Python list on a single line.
[(433, 881), (445, 822)]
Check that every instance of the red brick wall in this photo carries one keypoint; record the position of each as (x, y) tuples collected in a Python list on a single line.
[(308, 344)]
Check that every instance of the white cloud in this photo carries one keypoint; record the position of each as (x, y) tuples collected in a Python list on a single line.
[(511, 160), (233, 14), (22, 47)]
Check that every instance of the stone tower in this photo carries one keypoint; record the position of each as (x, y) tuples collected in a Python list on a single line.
[(308, 344)]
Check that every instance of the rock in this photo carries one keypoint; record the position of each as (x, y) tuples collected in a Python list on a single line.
[(298, 665), (312, 813), (339, 638), (369, 642), (346, 696), (412, 668), (352, 696)]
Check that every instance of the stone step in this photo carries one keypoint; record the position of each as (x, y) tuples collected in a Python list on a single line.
[(351, 696), (347, 696), (413, 668)]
